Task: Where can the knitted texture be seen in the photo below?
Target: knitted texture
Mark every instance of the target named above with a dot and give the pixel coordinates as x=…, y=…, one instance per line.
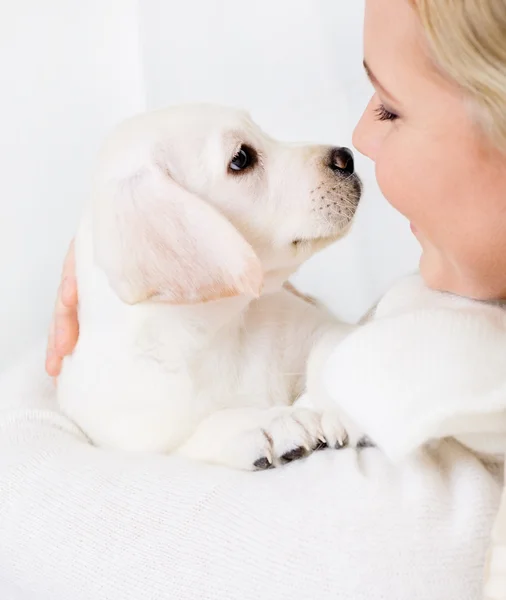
x=82, y=523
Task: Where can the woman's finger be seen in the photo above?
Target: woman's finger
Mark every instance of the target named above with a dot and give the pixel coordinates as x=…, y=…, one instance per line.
x=64, y=328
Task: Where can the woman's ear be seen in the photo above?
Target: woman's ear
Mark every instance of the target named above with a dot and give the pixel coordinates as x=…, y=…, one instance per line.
x=154, y=239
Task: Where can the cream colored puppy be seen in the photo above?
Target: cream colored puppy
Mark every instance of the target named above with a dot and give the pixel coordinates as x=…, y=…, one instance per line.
x=188, y=342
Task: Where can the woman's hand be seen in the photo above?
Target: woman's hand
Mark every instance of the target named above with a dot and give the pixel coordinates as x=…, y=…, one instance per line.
x=64, y=326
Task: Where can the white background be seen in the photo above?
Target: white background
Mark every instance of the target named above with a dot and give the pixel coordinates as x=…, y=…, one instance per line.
x=70, y=70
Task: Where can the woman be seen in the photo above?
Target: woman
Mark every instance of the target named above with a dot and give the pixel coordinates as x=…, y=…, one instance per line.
x=436, y=130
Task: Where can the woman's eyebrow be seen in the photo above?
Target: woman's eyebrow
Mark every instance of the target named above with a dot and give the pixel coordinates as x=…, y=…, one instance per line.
x=374, y=80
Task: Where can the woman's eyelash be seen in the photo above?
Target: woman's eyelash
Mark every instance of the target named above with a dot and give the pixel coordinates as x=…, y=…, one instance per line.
x=382, y=114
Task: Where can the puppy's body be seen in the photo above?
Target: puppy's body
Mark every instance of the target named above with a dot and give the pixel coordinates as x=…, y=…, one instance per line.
x=177, y=354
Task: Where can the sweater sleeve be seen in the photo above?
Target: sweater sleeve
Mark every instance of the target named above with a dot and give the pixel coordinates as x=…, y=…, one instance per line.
x=428, y=366
x=88, y=524
x=495, y=572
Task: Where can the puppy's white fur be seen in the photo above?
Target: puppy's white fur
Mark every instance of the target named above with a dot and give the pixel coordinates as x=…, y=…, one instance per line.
x=188, y=342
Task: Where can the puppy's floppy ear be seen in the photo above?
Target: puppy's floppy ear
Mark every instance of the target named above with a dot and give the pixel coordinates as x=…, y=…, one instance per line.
x=154, y=239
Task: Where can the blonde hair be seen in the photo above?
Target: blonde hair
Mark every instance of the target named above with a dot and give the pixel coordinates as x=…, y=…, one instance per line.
x=467, y=39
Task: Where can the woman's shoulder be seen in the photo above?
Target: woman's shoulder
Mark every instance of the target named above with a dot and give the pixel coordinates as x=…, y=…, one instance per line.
x=410, y=294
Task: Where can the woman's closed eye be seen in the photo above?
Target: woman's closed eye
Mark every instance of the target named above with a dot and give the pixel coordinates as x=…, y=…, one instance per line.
x=383, y=114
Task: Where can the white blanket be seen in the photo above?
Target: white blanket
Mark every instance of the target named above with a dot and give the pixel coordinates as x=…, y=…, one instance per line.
x=80, y=523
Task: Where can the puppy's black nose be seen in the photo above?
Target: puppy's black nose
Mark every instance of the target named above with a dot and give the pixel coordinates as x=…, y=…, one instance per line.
x=341, y=161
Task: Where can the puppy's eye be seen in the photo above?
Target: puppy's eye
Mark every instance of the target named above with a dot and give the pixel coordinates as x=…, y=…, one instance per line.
x=243, y=159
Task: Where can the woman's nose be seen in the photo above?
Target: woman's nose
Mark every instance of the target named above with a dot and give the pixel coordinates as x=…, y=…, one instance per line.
x=363, y=134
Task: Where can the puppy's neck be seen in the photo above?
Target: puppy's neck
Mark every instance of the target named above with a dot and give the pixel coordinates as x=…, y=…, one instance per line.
x=210, y=317
x=196, y=326
x=216, y=314
x=274, y=280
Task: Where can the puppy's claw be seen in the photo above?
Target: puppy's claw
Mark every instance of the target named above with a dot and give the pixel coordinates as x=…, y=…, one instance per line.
x=365, y=442
x=262, y=464
x=342, y=442
x=294, y=454
x=321, y=445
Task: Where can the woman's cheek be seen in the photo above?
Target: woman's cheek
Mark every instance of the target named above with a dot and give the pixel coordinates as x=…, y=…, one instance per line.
x=390, y=176
x=402, y=178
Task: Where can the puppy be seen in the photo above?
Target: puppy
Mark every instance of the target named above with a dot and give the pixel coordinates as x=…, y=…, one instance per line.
x=188, y=342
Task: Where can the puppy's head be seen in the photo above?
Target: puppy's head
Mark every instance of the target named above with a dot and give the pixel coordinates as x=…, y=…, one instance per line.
x=196, y=203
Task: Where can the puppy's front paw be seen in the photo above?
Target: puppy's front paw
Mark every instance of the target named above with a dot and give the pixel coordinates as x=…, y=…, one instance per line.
x=334, y=422
x=295, y=432
x=259, y=439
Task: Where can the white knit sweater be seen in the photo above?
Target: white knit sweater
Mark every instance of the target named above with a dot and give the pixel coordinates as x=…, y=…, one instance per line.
x=81, y=523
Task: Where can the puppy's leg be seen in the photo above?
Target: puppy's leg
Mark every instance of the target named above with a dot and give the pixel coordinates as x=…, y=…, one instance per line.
x=316, y=397
x=257, y=439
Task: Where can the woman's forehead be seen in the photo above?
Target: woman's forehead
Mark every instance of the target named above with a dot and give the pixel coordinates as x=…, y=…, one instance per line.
x=395, y=50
